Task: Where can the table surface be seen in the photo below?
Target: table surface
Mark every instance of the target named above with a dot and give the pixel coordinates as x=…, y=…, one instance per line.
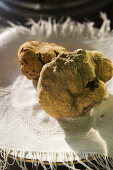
x=95, y=17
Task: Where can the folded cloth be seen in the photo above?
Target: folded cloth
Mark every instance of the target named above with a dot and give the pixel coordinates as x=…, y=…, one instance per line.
x=26, y=131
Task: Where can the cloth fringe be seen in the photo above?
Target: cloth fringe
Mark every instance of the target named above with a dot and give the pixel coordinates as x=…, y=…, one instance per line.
x=88, y=161
x=68, y=29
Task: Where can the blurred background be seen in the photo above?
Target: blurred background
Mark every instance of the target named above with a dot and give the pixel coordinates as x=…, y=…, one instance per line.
x=19, y=11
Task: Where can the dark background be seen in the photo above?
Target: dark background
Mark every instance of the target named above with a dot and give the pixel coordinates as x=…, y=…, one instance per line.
x=92, y=16
x=89, y=11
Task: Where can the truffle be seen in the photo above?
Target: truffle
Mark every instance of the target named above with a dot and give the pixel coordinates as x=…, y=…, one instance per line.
x=74, y=83
x=33, y=55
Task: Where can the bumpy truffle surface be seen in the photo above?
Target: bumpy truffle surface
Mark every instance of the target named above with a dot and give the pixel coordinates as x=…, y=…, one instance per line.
x=73, y=83
x=33, y=55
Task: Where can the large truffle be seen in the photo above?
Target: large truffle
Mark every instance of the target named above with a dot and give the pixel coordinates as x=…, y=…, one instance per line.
x=32, y=55
x=73, y=83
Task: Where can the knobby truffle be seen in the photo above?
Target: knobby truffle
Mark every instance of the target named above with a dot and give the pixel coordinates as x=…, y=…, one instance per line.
x=33, y=55
x=74, y=83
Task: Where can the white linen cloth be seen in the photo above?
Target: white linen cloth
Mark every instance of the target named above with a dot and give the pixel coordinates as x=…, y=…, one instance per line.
x=26, y=131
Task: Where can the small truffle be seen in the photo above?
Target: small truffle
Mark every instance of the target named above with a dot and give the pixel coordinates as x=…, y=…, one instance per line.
x=33, y=55
x=74, y=83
